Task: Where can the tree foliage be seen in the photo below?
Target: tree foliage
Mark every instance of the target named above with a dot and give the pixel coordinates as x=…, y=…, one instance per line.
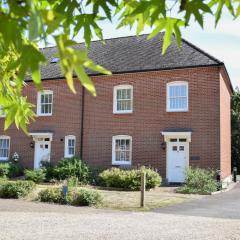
x=26, y=23
x=236, y=129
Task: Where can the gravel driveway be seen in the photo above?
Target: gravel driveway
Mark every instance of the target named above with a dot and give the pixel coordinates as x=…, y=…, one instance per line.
x=28, y=220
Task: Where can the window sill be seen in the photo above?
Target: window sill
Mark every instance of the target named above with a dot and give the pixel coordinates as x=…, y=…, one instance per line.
x=177, y=110
x=126, y=112
x=44, y=115
x=69, y=156
x=121, y=163
x=4, y=159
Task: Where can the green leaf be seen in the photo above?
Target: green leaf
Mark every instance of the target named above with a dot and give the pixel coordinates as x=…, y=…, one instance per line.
x=97, y=68
x=85, y=80
x=160, y=25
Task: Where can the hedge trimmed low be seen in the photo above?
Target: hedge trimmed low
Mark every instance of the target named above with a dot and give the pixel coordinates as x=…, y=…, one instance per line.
x=129, y=179
x=16, y=189
x=52, y=195
x=82, y=197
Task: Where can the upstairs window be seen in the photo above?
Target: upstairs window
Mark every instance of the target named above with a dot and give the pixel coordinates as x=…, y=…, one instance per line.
x=45, y=103
x=70, y=143
x=121, y=150
x=123, y=99
x=2, y=113
x=177, y=97
x=4, y=147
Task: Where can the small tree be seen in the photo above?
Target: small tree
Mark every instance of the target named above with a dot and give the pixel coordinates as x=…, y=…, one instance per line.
x=236, y=129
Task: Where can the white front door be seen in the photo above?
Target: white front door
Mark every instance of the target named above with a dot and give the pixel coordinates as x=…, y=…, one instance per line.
x=177, y=159
x=42, y=151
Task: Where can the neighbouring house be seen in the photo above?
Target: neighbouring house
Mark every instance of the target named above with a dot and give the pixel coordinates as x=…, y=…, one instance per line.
x=168, y=112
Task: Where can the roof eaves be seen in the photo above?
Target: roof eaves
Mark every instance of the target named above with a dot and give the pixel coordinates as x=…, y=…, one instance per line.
x=138, y=71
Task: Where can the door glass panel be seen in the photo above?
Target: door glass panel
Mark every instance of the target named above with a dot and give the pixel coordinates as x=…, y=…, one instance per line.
x=181, y=148
x=46, y=146
x=182, y=139
x=174, y=148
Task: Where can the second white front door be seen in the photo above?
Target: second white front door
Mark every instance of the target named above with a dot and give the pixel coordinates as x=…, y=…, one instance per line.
x=177, y=159
x=42, y=151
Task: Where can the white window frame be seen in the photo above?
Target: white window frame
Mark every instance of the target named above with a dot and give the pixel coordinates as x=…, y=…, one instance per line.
x=2, y=114
x=6, y=137
x=69, y=137
x=178, y=83
x=39, y=103
x=119, y=137
x=120, y=87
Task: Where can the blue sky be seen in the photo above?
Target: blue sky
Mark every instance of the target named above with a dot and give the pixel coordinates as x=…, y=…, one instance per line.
x=222, y=42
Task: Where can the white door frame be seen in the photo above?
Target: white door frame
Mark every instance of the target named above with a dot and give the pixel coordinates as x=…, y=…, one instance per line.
x=167, y=137
x=36, y=139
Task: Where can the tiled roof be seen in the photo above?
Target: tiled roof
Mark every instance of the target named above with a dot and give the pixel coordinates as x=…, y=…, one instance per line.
x=135, y=54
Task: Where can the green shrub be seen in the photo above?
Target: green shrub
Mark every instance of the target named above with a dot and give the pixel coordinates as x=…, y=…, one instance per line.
x=94, y=174
x=52, y=195
x=72, y=167
x=3, y=180
x=199, y=180
x=16, y=189
x=72, y=182
x=129, y=179
x=36, y=176
x=15, y=170
x=84, y=197
x=49, y=170
x=4, y=169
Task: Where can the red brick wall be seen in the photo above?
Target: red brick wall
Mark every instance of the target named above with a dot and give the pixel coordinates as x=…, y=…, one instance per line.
x=225, y=124
x=145, y=124
x=149, y=117
x=64, y=121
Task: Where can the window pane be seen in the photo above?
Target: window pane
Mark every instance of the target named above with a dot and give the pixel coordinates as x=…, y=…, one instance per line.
x=124, y=99
x=71, y=147
x=178, y=97
x=122, y=150
x=46, y=103
x=4, y=148
x=42, y=98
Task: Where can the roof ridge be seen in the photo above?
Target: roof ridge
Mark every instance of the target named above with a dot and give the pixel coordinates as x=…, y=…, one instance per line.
x=202, y=51
x=107, y=39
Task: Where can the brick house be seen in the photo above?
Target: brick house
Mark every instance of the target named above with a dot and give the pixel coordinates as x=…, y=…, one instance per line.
x=169, y=111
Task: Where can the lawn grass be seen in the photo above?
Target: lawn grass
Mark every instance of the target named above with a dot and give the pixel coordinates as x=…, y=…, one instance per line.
x=130, y=200
x=156, y=198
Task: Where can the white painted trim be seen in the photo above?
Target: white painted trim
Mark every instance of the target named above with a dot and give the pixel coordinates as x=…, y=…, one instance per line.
x=176, y=83
x=66, y=155
x=41, y=135
x=168, y=135
x=124, y=86
x=6, y=137
x=186, y=144
x=114, y=138
x=36, y=136
x=39, y=103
